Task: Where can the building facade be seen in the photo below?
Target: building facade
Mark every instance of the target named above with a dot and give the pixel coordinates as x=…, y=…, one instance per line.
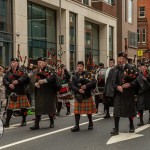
x=143, y=31
x=127, y=27
x=87, y=30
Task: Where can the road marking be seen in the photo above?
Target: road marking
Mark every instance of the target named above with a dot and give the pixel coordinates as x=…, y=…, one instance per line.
x=44, y=135
x=127, y=136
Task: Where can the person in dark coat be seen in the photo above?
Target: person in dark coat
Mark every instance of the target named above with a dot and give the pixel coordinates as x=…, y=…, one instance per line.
x=124, y=103
x=15, y=81
x=108, y=101
x=45, y=93
x=142, y=83
x=82, y=85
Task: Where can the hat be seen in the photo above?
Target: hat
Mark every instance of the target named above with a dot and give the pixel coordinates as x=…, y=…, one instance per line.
x=80, y=63
x=14, y=59
x=41, y=59
x=121, y=54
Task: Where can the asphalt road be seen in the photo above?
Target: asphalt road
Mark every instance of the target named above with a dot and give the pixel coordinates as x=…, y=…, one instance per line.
x=61, y=138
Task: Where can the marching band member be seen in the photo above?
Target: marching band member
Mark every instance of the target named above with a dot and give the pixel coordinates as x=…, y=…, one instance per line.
x=82, y=85
x=124, y=103
x=15, y=81
x=45, y=93
x=65, y=79
x=142, y=82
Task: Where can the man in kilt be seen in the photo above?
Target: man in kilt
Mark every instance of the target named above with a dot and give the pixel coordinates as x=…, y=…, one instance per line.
x=124, y=103
x=82, y=85
x=15, y=81
x=45, y=93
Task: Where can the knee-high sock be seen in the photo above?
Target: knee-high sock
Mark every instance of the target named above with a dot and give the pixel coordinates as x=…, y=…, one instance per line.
x=131, y=122
x=141, y=115
x=51, y=119
x=77, y=119
x=116, y=119
x=9, y=114
x=90, y=117
x=23, y=114
x=68, y=106
x=59, y=107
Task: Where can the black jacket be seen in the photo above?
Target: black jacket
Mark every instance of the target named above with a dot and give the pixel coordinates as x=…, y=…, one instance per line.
x=20, y=88
x=83, y=79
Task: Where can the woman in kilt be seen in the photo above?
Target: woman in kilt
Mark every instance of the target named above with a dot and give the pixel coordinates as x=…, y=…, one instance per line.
x=63, y=95
x=82, y=85
x=15, y=81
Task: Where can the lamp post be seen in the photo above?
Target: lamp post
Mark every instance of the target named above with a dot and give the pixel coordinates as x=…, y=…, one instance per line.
x=60, y=39
x=126, y=48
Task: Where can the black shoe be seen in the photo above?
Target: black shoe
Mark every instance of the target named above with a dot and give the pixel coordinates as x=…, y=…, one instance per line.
x=75, y=129
x=141, y=123
x=107, y=116
x=51, y=125
x=68, y=113
x=35, y=127
x=114, y=132
x=90, y=127
x=132, y=130
x=23, y=123
x=6, y=125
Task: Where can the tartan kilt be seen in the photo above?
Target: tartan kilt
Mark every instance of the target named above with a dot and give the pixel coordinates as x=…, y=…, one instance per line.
x=87, y=106
x=22, y=102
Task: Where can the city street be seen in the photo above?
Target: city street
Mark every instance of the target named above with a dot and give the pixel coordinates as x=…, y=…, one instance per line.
x=61, y=138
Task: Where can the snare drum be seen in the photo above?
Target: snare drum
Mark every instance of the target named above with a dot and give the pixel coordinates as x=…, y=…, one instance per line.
x=64, y=91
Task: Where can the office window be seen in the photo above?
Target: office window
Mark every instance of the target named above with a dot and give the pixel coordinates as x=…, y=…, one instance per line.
x=138, y=35
x=142, y=12
x=130, y=11
x=91, y=43
x=143, y=35
x=72, y=24
x=86, y=2
x=132, y=39
x=110, y=1
x=41, y=31
x=110, y=42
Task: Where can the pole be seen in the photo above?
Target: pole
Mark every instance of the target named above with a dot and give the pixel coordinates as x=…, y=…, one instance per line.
x=60, y=48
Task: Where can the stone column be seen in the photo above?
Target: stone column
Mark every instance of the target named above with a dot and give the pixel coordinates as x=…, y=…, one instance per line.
x=20, y=27
x=80, y=38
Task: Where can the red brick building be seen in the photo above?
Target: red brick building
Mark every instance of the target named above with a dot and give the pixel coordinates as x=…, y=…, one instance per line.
x=143, y=30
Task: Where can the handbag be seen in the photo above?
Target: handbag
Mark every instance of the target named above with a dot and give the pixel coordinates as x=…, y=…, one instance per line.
x=13, y=97
x=79, y=97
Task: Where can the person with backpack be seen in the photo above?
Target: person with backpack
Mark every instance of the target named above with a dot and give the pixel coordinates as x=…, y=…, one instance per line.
x=46, y=87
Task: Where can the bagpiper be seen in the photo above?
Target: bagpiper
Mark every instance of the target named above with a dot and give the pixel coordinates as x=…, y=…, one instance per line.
x=15, y=81
x=82, y=85
x=45, y=93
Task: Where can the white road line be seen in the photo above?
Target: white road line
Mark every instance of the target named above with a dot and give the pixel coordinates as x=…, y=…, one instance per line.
x=43, y=135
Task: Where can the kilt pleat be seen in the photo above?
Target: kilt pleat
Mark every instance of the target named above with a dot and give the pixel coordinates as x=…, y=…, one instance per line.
x=22, y=102
x=87, y=106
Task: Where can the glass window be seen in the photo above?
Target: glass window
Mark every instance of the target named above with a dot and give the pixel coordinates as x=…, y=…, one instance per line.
x=138, y=35
x=130, y=11
x=132, y=39
x=72, y=24
x=6, y=30
x=143, y=35
x=110, y=42
x=91, y=43
x=142, y=12
x=41, y=30
x=86, y=2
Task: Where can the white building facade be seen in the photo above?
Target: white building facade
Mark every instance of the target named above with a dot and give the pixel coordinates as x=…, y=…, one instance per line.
x=36, y=31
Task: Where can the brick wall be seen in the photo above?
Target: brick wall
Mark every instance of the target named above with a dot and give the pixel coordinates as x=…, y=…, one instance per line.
x=104, y=7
